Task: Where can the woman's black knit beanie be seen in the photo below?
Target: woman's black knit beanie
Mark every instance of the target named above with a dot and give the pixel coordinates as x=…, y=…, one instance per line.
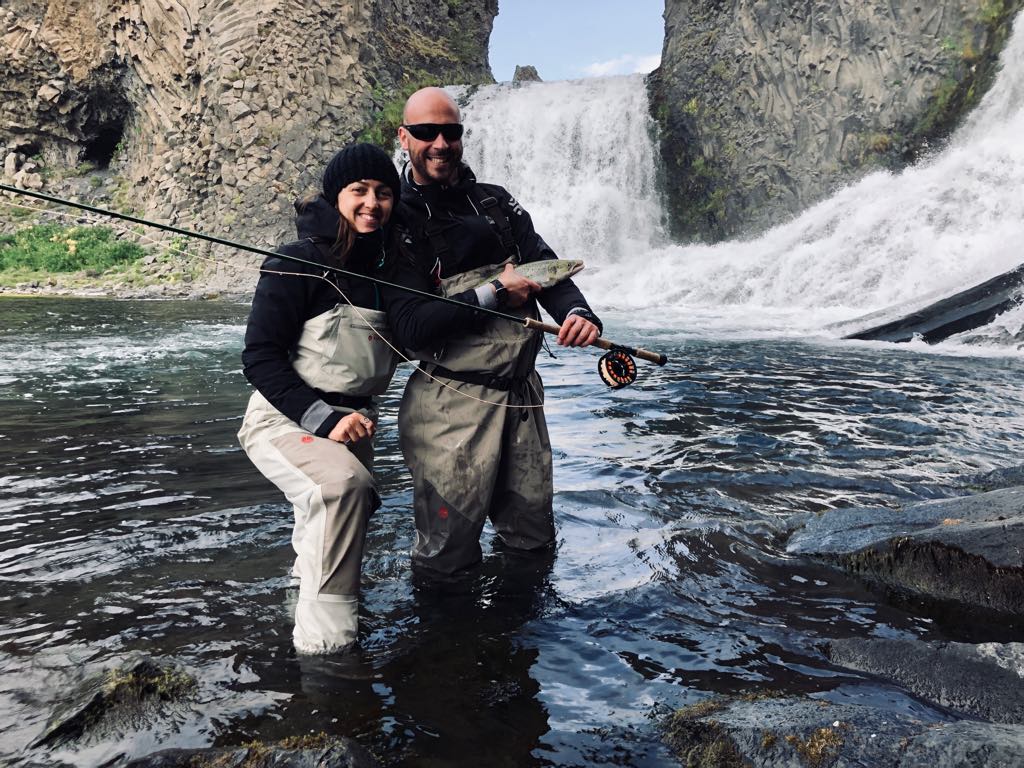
x=356, y=162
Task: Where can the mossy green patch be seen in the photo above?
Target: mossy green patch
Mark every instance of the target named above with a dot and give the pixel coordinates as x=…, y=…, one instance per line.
x=260, y=754
x=54, y=248
x=145, y=682
x=699, y=742
x=819, y=749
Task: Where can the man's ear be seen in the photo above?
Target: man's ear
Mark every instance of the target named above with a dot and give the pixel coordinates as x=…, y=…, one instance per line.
x=403, y=138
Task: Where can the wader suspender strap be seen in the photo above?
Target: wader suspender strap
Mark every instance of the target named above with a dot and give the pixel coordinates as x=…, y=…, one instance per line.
x=438, y=242
x=495, y=216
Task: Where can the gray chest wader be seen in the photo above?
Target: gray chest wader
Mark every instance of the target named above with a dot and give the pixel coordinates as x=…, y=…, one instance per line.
x=329, y=484
x=470, y=460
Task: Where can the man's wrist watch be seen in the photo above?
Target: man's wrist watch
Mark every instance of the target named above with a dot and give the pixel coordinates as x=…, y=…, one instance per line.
x=500, y=292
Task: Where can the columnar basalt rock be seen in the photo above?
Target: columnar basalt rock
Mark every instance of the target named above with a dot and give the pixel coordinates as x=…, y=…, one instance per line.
x=215, y=113
x=767, y=107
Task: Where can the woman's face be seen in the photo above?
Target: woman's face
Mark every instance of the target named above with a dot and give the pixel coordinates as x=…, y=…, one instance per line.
x=366, y=204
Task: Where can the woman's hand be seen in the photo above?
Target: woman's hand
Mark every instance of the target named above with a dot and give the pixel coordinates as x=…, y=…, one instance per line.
x=352, y=427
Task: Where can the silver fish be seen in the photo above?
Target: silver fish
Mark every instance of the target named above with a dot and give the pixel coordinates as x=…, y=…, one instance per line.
x=547, y=272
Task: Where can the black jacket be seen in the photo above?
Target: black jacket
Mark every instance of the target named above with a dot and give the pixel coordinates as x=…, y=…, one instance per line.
x=472, y=241
x=284, y=302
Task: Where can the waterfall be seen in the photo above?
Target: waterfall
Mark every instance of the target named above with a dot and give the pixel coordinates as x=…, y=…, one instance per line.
x=581, y=157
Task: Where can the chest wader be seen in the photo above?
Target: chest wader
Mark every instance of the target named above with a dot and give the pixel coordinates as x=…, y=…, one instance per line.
x=329, y=484
x=471, y=461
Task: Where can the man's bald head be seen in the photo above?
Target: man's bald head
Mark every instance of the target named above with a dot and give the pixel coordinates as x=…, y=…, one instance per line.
x=431, y=132
x=429, y=103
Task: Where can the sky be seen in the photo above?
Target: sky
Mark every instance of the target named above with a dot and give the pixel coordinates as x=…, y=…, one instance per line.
x=570, y=39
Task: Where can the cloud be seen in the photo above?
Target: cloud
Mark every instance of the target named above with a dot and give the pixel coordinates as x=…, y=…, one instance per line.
x=623, y=65
x=647, y=64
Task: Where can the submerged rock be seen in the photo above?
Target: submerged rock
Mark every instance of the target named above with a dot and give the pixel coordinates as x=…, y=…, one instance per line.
x=813, y=733
x=116, y=700
x=981, y=681
x=969, y=549
x=319, y=751
x=963, y=311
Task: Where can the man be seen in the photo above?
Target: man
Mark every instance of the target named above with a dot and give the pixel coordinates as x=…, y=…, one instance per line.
x=471, y=423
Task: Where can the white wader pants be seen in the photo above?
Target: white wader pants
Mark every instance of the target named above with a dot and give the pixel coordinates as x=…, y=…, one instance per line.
x=333, y=495
x=328, y=484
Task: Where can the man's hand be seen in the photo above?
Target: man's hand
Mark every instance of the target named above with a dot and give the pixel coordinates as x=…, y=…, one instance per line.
x=517, y=287
x=351, y=428
x=577, y=331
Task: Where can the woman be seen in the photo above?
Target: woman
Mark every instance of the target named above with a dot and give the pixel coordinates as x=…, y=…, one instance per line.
x=315, y=352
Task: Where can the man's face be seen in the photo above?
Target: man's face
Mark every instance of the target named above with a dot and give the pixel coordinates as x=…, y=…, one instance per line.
x=434, y=157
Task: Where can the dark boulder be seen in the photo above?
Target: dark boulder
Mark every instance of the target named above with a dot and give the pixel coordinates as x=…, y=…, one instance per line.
x=814, y=733
x=969, y=549
x=964, y=311
x=982, y=681
x=127, y=697
x=1005, y=477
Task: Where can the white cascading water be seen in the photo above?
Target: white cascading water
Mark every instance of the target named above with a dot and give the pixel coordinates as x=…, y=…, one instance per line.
x=580, y=156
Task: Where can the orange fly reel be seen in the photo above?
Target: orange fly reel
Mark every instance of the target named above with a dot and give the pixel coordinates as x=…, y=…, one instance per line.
x=617, y=369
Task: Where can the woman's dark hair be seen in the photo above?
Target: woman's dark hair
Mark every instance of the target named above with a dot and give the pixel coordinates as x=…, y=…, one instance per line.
x=343, y=241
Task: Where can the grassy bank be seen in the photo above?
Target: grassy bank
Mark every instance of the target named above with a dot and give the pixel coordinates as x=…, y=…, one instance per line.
x=80, y=258
x=49, y=248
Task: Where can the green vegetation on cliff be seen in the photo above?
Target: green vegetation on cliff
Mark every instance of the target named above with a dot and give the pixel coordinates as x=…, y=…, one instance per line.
x=973, y=67
x=53, y=248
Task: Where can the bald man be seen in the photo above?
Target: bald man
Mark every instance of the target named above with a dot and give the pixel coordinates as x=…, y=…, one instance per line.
x=472, y=432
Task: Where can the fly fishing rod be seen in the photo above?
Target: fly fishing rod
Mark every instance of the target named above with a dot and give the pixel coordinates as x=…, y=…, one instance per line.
x=616, y=368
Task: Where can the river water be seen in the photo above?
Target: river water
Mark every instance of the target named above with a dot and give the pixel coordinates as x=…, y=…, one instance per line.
x=133, y=524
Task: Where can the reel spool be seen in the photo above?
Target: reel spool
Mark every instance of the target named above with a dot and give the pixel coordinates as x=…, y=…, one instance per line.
x=617, y=369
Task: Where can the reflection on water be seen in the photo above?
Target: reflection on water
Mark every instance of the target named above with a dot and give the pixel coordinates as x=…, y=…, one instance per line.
x=132, y=523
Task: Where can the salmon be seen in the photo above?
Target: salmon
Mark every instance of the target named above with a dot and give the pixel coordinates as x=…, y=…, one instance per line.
x=547, y=272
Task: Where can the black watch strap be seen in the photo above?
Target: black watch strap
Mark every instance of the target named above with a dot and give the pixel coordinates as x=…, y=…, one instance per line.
x=500, y=292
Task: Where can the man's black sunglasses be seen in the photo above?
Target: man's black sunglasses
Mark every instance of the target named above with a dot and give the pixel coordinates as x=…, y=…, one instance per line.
x=429, y=131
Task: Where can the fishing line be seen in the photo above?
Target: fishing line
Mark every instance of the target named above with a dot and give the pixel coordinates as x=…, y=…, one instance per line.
x=180, y=250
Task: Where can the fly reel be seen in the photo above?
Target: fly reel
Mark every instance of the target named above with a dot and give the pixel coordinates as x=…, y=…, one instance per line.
x=617, y=369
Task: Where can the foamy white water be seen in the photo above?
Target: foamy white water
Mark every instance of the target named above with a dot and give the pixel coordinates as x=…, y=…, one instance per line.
x=581, y=158
x=580, y=155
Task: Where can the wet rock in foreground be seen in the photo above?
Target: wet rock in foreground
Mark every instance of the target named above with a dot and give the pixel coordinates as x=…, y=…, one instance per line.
x=810, y=733
x=982, y=681
x=127, y=697
x=968, y=549
x=300, y=752
x=1005, y=477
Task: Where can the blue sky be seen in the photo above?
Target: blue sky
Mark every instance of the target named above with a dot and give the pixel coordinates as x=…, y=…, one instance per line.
x=568, y=39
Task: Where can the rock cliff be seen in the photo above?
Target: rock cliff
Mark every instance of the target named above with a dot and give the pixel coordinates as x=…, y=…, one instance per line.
x=212, y=114
x=766, y=107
